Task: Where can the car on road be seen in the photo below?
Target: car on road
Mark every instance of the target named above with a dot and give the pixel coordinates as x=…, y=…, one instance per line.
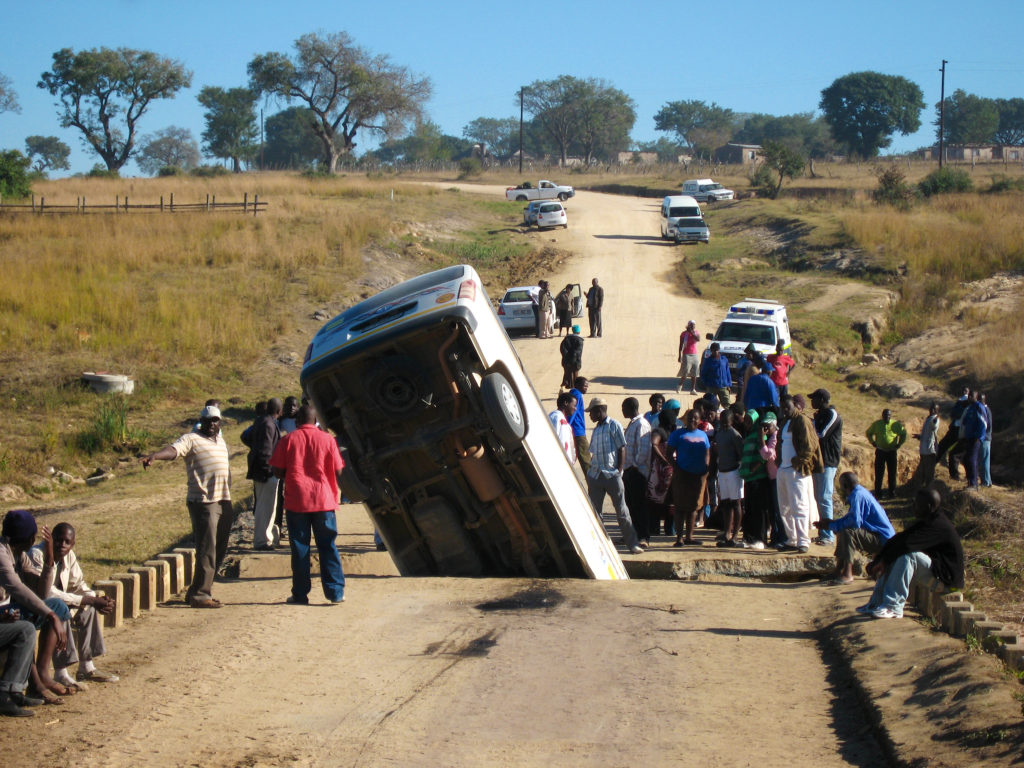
x=530, y=212
x=515, y=310
x=706, y=191
x=445, y=440
x=551, y=215
x=675, y=208
x=545, y=190
x=761, y=322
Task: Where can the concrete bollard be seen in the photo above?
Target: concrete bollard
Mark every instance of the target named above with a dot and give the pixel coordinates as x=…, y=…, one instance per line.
x=189, y=553
x=115, y=591
x=967, y=621
x=956, y=609
x=177, y=563
x=1013, y=655
x=947, y=615
x=147, y=585
x=995, y=640
x=163, y=579
x=131, y=588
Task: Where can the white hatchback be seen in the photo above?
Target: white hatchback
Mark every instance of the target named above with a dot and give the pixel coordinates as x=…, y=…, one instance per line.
x=551, y=215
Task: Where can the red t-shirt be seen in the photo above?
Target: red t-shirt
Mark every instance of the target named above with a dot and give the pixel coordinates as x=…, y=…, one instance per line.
x=311, y=461
x=689, y=342
x=782, y=365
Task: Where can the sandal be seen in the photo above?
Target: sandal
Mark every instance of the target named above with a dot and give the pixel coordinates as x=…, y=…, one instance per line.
x=48, y=696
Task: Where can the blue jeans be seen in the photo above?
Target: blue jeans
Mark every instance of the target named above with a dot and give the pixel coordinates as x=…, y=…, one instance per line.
x=324, y=528
x=824, y=488
x=984, y=462
x=893, y=588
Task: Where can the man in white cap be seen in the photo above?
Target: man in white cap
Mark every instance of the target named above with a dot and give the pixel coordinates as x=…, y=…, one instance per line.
x=208, y=499
x=604, y=475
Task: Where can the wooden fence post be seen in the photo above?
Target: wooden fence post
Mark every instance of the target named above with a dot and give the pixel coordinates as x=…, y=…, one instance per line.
x=214, y=202
x=161, y=203
x=117, y=204
x=172, y=202
x=207, y=203
x=33, y=203
x=42, y=203
x=255, y=204
x=245, y=202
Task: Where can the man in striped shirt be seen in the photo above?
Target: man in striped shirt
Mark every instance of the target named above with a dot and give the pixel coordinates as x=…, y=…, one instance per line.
x=208, y=499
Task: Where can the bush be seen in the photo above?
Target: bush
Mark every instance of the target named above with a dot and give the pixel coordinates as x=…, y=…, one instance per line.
x=209, y=171
x=1002, y=183
x=470, y=167
x=945, y=180
x=763, y=180
x=170, y=170
x=14, y=180
x=100, y=171
x=893, y=189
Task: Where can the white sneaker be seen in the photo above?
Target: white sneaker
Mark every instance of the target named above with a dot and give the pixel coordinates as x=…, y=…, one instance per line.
x=756, y=545
x=886, y=613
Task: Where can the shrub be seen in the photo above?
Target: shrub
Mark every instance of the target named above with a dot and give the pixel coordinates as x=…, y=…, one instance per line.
x=209, y=171
x=763, y=180
x=470, y=167
x=170, y=170
x=100, y=171
x=1001, y=183
x=14, y=180
x=110, y=430
x=893, y=189
x=945, y=180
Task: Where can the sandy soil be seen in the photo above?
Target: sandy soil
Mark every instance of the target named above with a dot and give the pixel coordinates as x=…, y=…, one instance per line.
x=440, y=672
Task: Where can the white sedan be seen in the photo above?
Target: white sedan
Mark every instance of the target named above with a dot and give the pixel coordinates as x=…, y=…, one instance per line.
x=551, y=215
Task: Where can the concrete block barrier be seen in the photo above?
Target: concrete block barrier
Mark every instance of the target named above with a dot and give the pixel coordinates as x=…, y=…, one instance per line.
x=115, y=591
x=993, y=641
x=955, y=624
x=177, y=563
x=189, y=554
x=163, y=579
x=147, y=585
x=131, y=603
x=1013, y=655
x=967, y=621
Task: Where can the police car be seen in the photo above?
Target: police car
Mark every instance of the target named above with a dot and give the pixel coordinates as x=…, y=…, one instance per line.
x=760, y=322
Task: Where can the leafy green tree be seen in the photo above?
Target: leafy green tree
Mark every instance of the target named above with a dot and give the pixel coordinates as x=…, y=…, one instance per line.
x=8, y=98
x=969, y=119
x=231, y=131
x=552, y=107
x=426, y=144
x=698, y=125
x=781, y=162
x=668, y=150
x=864, y=109
x=49, y=153
x=802, y=132
x=104, y=93
x=606, y=116
x=170, y=147
x=14, y=181
x=290, y=141
x=1011, y=122
x=500, y=135
x=345, y=88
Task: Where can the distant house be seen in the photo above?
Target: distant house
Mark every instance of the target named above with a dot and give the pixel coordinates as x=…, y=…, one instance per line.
x=738, y=154
x=636, y=158
x=976, y=153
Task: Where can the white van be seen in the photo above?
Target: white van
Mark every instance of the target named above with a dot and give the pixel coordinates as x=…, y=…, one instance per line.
x=445, y=439
x=706, y=190
x=682, y=220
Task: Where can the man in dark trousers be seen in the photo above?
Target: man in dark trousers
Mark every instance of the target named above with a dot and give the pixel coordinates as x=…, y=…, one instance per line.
x=930, y=547
x=572, y=357
x=309, y=462
x=829, y=426
x=262, y=439
x=595, y=301
x=950, y=440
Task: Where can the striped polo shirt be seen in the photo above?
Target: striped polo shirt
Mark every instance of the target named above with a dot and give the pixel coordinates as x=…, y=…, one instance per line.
x=206, y=464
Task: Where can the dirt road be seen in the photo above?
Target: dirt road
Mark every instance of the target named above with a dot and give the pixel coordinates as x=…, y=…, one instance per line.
x=445, y=672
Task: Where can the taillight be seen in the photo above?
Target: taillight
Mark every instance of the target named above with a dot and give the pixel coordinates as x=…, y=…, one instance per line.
x=501, y=309
x=467, y=290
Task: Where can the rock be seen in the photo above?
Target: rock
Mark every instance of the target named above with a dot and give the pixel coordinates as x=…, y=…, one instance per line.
x=321, y=315
x=904, y=389
x=11, y=493
x=99, y=476
x=871, y=329
x=64, y=477
x=869, y=358
x=865, y=386
x=290, y=358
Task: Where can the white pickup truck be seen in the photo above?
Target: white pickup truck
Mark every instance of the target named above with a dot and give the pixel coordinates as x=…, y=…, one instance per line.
x=545, y=190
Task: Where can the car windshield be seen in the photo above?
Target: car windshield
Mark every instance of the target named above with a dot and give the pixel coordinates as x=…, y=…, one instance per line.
x=758, y=334
x=710, y=187
x=518, y=295
x=681, y=211
x=550, y=208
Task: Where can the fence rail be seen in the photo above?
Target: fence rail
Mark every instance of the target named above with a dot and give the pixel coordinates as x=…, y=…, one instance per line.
x=122, y=205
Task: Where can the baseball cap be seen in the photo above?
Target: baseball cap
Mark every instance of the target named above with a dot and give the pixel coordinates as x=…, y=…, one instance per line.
x=769, y=418
x=673, y=403
x=597, y=402
x=711, y=398
x=19, y=524
x=821, y=394
x=754, y=416
x=210, y=412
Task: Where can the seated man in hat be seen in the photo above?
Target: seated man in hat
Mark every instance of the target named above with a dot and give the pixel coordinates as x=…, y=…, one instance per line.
x=864, y=528
x=85, y=643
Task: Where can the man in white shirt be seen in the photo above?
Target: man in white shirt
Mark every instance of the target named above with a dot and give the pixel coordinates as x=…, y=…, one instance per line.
x=85, y=643
x=560, y=421
x=637, y=467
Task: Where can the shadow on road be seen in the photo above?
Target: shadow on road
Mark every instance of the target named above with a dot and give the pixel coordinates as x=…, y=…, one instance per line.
x=663, y=384
x=646, y=239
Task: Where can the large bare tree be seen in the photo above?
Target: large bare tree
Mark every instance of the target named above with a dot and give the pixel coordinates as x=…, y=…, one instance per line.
x=347, y=90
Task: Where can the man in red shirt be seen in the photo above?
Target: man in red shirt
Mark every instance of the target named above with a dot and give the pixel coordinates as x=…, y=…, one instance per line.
x=782, y=364
x=309, y=462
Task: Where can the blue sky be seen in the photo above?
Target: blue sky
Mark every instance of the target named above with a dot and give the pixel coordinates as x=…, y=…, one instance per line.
x=748, y=56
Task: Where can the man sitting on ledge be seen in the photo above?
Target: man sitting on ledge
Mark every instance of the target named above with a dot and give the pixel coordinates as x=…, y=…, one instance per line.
x=864, y=528
x=929, y=547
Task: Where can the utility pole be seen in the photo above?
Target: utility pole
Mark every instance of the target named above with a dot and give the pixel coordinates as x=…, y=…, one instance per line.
x=942, y=114
x=521, y=90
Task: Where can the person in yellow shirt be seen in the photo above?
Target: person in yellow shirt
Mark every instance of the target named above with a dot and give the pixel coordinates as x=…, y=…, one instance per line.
x=886, y=436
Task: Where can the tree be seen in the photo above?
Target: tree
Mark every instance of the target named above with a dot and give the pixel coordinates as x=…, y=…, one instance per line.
x=290, y=141
x=969, y=119
x=14, y=181
x=606, y=116
x=802, y=132
x=49, y=152
x=551, y=104
x=782, y=161
x=696, y=124
x=98, y=87
x=1011, y=122
x=345, y=88
x=668, y=150
x=231, y=131
x=864, y=109
x=499, y=136
x=426, y=144
x=170, y=147
x=8, y=98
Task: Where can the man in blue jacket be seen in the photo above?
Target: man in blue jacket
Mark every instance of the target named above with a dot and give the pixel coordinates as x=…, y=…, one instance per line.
x=864, y=528
x=715, y=376
x=760, y=394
